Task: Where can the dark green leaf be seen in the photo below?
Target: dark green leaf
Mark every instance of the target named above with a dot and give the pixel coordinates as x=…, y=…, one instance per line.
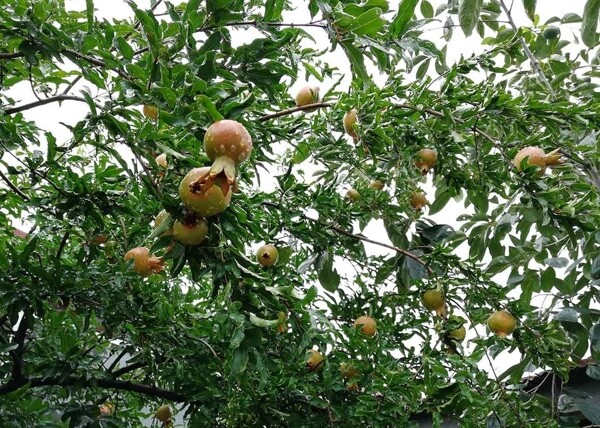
x=591, y=13
x=468, y=15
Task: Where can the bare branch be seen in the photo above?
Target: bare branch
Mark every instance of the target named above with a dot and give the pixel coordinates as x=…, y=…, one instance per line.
x=84, y=382
x=57, y=98
x=534, y=62
x=360, y=237
x=11, y=55
x=293, y=110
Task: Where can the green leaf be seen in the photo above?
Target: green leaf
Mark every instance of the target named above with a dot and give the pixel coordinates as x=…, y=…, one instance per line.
x=124, y=47
x=589, y=35
x=210, y=107
x=273, y=9
x=89, y=9
x=529, y=6
x=468, y=15
x=427, y=9
x=406, y=10
x=328, y=276
x=356, y=59
x=368, y=24
x=239, y=361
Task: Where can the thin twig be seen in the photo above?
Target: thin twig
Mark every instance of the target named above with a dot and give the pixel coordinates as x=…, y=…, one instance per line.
x=13, y=187
x=293, y=110
x=359, y=237
x=534, y=62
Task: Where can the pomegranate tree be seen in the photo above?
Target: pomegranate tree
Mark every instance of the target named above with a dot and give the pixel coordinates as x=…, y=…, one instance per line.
x=201, y=196
x=227, y=143
x=145, y=263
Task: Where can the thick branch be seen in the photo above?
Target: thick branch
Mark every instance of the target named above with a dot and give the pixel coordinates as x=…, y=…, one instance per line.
x=11, y=55
x=82, y=382
x=17, y=353
x=534, y=62
x=57, y=98
x=293, y=110
x=359, y=237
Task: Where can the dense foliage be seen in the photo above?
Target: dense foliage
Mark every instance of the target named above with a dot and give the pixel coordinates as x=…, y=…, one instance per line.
x=87, y=341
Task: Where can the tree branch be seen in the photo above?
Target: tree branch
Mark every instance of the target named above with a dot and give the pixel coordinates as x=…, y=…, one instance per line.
x=293, y=110
x=57, y=98
x=11, y=55
x=17, y=354
x=534, y=62
x=13, y=187
x=359, y=237
x=83, y=382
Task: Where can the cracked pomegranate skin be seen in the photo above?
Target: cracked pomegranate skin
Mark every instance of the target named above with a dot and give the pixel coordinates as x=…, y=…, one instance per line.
x=208, y=203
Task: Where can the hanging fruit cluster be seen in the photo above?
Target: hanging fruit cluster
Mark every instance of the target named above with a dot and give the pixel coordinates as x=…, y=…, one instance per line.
x=204, y=192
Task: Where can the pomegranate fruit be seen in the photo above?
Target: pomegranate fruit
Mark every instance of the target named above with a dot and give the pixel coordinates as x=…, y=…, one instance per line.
x=101, y=238
x=458, y=334
x=418, y=201
x=425, y=160
x=433, y=300
x=150, y=112
x=267, y=255
x=314, y=360
x=200, y=199
x=352, y=195
x=145, y=264
x=227, y=143
x=282, y=326
x=367, y=325
x=535, y=157
x=164, y=413
x=553, y=158
x=161, y=161
x=348, y=370
x=376, y=184
x=106, y=409
x=502, y=323
x=192, y=232
x=353, y=387
x=308, y=95
x=350, y=119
